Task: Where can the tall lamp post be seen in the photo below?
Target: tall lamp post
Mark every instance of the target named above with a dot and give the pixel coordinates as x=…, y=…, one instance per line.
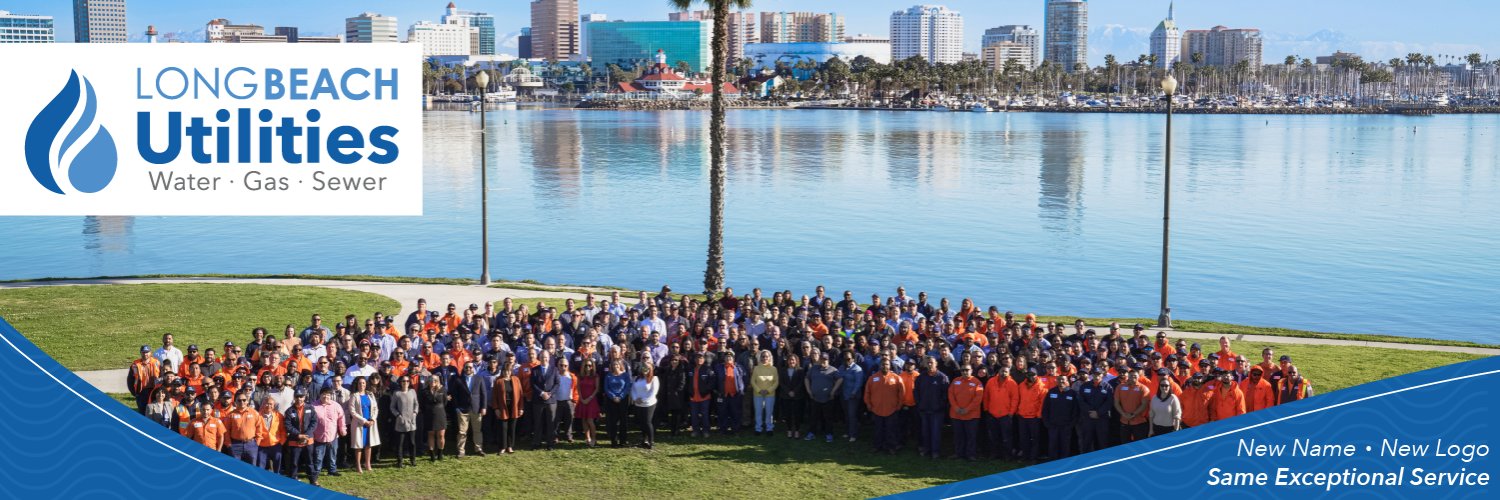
x=1169, y=86
x=483, y=79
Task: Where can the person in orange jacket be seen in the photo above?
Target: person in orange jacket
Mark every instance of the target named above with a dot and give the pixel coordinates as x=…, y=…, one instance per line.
x=1132, y=402
x=965, y=400
x=244, y=429
x=1228, y=400
x=884, y=394
x=1259, y=394
x=205, y=429
x=1032, y=395
x=140, y=379
x=1194, y=402
x=268, y=448
x=1226, y=357
x=908, y=414
x=1002, y=396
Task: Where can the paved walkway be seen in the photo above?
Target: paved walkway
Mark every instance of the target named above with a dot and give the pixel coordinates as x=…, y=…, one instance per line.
x=407, y=294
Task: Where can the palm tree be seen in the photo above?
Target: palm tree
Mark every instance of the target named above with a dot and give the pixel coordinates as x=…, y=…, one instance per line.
x=713, y=276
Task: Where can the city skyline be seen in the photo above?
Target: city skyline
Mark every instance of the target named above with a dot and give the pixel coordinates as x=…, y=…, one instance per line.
x=1305, y=29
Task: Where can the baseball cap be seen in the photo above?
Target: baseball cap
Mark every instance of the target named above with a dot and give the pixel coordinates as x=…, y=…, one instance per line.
x=473, y=307
x=193, y=347
x=301, y=393
x=1196, y=346
x=147, y=348
x=1137, y=327
x=1286, y=358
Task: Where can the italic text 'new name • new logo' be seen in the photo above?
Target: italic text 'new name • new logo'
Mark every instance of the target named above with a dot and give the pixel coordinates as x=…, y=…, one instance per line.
x=85, y=158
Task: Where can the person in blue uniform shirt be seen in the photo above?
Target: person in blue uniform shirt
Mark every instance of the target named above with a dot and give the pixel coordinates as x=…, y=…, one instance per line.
x=1095, y=408
x=1060, y=415
x=931, y=396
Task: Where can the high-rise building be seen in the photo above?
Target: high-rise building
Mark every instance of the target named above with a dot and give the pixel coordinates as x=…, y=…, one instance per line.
x=99, y=21
x=289, y=32
x=24, y=28
x=369, y=27
x=792, y=27
x=1166, y=41
x=1067, y=33
x=484, y=44
x=996, y=55
x=930, y=31
x=1026, y=44
x=744, y=28
x=1224, y=47
x=583, y=31
x=628, y=43
x=442, y=39
x=523, y=43
x=554, y=29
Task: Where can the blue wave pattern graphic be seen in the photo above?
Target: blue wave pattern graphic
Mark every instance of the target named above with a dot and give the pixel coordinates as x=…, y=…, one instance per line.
x=1456, y=403
x=94, y=165
x=65, y=439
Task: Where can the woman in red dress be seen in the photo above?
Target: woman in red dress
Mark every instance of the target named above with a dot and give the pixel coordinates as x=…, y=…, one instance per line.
x=588, y=398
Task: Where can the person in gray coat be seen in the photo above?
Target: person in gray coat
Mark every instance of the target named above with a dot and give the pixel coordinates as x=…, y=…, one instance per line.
x=404, y=406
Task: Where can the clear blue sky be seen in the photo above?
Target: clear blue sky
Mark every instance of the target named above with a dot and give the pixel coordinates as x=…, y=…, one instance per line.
x=1378, y=29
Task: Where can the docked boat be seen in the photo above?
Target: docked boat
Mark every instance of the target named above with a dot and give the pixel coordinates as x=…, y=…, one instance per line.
x=979, y=108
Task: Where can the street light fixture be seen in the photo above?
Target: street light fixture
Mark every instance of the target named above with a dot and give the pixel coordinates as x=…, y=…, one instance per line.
x=483, y=79
x=1169, y=86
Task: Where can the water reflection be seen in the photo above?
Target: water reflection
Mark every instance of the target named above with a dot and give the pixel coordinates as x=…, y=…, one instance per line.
x=556, y=160
x=1060, y=206
x=107, y=234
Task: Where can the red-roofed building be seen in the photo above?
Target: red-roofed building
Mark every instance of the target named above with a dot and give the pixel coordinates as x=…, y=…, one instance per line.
x=661, y=78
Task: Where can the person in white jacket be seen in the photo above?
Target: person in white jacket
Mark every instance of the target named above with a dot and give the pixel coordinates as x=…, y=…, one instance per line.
x=643, y=398
x=364, y=436
x=1166, y=409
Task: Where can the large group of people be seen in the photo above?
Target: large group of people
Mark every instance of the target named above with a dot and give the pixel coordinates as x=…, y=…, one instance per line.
x=962, y=382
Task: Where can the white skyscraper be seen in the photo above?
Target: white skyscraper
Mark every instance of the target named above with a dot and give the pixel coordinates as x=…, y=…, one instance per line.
x=1067, y=33
x=1166, y=42
x=25, y=28
x=442, y=39
x=930, y=31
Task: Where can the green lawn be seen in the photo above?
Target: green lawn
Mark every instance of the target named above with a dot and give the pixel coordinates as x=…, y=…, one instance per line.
x=93, y=327
x=103, y=327
x=718, y=467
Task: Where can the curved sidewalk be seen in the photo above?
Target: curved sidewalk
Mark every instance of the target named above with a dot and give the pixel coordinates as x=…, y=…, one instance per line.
x=406, y=294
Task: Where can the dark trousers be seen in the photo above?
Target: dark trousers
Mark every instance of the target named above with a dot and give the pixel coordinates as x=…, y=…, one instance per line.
x=544, y=415
x=565, y=411
x=700, y=416
x=908, y=423
x=491, y=426
x=1093, y=434
x=615, y=415
x=247, y=451
x=851, y=416
x=1130, y=433
x=644, y=418
x=731, y=412
x=792, y=412
x=269, y=458
x=406, y=446
x=1060, y=441
x=932, y=432
x=298, y=459
x=887, y=432
x=1002, y=431
x=1157, y=430
x=674, y=418
x=1031, y=437
x=966, y=438
x=822, y=417
x=507, y=434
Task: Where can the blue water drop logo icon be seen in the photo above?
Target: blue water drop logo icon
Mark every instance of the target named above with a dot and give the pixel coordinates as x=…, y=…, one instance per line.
x=91, y=166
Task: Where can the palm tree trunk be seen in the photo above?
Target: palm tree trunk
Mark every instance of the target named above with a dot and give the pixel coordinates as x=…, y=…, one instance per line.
x=713, y=276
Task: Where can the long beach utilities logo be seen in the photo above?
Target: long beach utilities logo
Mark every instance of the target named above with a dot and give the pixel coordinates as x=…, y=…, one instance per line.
x=209, y=129
x=85, y=159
